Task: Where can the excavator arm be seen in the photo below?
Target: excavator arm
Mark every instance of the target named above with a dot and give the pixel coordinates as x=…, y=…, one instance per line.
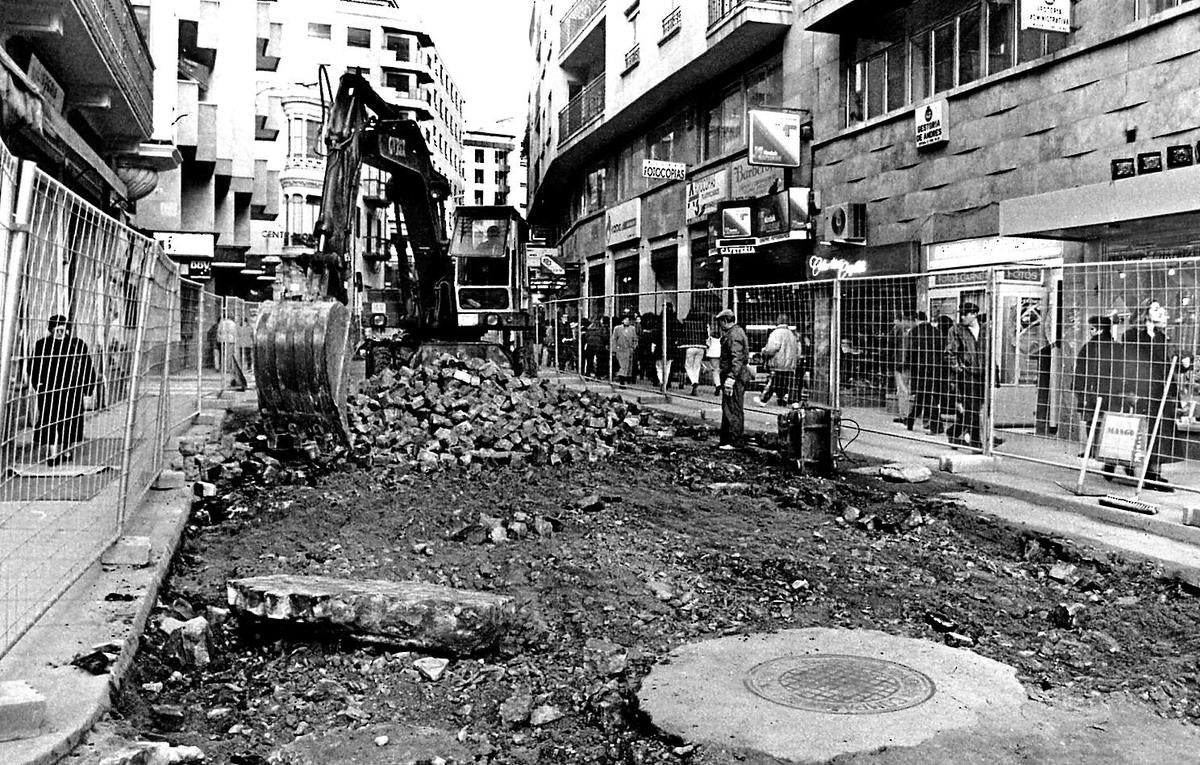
x=301, y=347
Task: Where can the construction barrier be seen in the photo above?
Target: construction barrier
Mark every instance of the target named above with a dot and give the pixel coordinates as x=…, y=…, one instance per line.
x=1022, y=360
x=99, y=360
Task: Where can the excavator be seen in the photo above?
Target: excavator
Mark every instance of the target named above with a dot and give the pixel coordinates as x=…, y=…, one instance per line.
x=449, y=294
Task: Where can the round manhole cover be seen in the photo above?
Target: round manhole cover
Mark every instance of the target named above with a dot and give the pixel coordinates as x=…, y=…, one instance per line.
x=839, y=684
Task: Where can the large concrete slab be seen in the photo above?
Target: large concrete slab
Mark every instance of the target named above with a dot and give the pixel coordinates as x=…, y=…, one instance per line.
x=810, y=695
x=413, y=615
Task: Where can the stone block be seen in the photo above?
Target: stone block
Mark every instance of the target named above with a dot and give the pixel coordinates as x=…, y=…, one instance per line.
x=128, y=551
x=905, y=473
x=966, y=463
x=22, y=710
x=1191, y=516
x=170, y=479
x=412, y=615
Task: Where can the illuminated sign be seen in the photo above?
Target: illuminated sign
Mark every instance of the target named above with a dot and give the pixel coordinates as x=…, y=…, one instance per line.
x=839, y=266
x=736, y=221
x=932, y=126
x=774, y=138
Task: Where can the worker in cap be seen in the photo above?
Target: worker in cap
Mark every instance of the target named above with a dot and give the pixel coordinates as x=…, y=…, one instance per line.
x=734, y=375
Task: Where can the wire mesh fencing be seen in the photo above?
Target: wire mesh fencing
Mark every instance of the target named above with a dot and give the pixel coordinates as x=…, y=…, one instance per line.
x=1047, y=363
x=90, y=324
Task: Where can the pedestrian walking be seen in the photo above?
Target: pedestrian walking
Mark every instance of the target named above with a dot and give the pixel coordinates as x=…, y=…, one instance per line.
x=594, y=336
x=65, y=379
x=922, y=363
x=782, y=352
x=624, y=344
x=227, y=353
x=649, y=350
x=1092, y=381
x=966, y=356
x=735, y=353
x=674, y=351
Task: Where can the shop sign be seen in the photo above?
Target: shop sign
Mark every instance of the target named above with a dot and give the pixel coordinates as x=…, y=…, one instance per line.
x=932, y=126
x=704, y=192
x=623, y=222
x=734, y=249
x=772, y=214
x=980, y=251
x=748, y=180
x=196, y=268
x=774, y=138
x=960, y=277
x=1022, y=275
x=52, y=92
x=1046, y=15
x=545, y=258
x=838, y=266
x=186, y=245
x=664, y=171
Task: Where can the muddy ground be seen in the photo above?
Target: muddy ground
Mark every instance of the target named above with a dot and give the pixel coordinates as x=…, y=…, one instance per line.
x=664, y=559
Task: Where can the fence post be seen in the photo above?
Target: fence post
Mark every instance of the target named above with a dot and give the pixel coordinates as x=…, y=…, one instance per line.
x=14, y=256
x=134, y=390
x=164, y=395
x=554, y=332
x=666, y=372
x=990, y=358
x=579, y=342
x=199, y=337
x=835, y=345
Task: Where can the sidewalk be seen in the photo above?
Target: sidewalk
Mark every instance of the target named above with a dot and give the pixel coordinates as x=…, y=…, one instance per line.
x=1019, y=492
x=106, y=604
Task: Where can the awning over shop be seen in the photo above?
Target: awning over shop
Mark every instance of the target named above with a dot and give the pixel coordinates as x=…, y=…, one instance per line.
x=1150, y=205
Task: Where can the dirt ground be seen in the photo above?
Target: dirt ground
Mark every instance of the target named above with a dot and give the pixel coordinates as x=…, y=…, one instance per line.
x=665, y=558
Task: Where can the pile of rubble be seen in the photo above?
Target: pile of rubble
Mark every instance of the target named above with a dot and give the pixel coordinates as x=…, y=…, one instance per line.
x=461, y=412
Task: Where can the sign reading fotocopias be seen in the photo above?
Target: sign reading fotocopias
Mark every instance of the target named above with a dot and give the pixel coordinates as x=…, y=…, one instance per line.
x=933, y=128
x=660, y=170
x=1046, y=15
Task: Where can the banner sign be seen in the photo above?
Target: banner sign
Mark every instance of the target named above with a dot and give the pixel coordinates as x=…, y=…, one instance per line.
x=774, y=138
x=660, y=170
x=1046, y=15
x=931, y=124
x=704, y=192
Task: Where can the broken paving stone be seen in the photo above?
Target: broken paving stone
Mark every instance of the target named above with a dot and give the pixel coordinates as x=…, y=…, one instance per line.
x=431, y=668
x=99, y=659
x=412, y=615
x=153, y=753
x=660, y=590
x=727, y=487
x=544, y=715
x=608, y=658
x=517, y=707
x=940, y=622
x=591, y=504
x=1067, y=616
x=168, y=717
x=959, y=640
x=189, y=643
x=405, y=745
x=905, y=473
x=1067, y=573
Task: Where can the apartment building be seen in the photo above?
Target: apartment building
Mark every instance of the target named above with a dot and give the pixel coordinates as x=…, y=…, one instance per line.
x=495, y=172
x=239, y=86
x=937, y=136
x=80, y=103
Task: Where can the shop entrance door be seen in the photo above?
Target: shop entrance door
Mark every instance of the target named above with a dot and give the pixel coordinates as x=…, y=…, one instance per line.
x=1020, y=340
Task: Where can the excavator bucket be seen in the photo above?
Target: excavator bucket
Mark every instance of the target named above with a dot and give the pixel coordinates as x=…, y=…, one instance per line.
x=300, y=368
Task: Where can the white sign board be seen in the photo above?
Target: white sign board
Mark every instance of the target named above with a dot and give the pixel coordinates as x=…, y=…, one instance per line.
x=1046, y=15
x=660, y=170
x=774, y=138
x=623, y=222
x=52, y=92
x=1121, y=437
x=185, y=245
x=931, y=123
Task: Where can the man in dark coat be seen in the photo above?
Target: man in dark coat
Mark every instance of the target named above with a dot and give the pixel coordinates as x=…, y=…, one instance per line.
x=735, y=354
x=966, y=357
x=1094, y=370
x=65, y=379
x=1145, y=362
x=925, y=366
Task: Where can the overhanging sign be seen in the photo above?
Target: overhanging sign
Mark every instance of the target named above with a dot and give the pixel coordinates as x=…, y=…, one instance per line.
x=774, y=138
x=839, y=266
x=660, y=170
x=1046, y=15
x=931, y=124
x=186, y=245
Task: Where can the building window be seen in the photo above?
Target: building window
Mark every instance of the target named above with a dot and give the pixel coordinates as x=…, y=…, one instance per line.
x=401, y=46
x=501, y=198
x=764, y=87
x=1150, y=7
x=394, y=79
x=665, y=141
x=358, y=38
x=478, y=197
x=320, y=31
x=499, y=177
x=479, y=156
x=479, y=176
x=724, y=129
x=304, y=138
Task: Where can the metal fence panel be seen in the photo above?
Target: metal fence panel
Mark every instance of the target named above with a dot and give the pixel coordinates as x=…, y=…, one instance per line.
x=93, y=325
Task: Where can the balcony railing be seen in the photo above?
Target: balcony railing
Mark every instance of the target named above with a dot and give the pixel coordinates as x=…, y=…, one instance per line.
x=576, y=20
x=121, y=43
x=719, y=10
x=374, y=248
x=672, y=22
x=585, y=108
x=633, y=57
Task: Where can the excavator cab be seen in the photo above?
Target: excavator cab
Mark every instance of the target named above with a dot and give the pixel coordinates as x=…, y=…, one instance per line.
x=491, y=281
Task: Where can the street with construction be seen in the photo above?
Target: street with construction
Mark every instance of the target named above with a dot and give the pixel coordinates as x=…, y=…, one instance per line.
x=533, y=570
